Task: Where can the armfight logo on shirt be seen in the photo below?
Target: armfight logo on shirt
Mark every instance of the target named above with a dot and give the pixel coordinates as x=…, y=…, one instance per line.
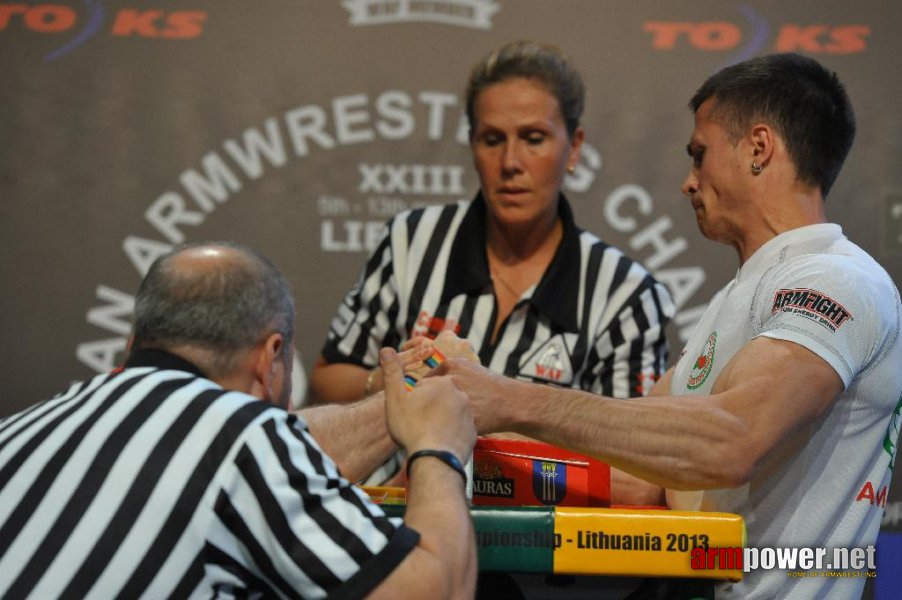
x=812, y=304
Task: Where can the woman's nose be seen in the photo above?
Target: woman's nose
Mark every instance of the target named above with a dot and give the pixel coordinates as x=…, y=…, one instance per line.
x=510, y=159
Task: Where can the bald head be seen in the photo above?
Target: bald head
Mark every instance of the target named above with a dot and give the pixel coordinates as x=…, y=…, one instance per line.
x=220, y=298
x=199, y=261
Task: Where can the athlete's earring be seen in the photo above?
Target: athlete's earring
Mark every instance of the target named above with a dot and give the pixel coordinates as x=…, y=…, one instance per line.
x=756, y=168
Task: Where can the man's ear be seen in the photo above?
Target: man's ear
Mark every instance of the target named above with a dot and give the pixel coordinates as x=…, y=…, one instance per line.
x=269, y=353
x=763, y=139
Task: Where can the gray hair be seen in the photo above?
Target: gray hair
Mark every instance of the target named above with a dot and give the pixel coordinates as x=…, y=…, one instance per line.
x=223, y=310
x=530, y=60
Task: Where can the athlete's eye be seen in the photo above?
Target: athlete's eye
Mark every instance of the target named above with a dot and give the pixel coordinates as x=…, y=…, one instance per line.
x=697, y=156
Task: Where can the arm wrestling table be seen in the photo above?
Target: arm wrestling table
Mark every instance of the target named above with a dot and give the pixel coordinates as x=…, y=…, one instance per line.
x=600, y=541
x=542, y=512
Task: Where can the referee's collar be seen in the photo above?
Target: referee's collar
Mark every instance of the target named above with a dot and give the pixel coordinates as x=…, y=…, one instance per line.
x=557, y=293
x=160, y=359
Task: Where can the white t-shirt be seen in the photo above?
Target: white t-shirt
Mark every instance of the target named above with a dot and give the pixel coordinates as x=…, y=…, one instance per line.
x=825, y=485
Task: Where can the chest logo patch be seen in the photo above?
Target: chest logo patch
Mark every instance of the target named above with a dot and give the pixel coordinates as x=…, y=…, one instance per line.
x=550, y=363
x=703, y=364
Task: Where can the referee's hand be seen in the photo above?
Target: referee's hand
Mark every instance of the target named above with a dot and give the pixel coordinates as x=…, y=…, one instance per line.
x=434, y=415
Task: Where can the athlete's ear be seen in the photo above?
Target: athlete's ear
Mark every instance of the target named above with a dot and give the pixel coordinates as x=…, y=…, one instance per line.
x=762, y=139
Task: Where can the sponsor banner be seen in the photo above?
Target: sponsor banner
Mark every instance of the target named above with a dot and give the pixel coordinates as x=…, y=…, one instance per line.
x=476, y=14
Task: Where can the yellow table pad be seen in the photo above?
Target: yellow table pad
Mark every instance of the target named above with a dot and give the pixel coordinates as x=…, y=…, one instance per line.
x=642, y=542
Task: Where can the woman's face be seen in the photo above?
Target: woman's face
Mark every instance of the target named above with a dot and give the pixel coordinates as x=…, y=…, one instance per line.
x=521, y=150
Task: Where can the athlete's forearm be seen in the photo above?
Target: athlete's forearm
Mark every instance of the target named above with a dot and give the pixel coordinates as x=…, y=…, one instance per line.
x=682, y=443
x=355, y=435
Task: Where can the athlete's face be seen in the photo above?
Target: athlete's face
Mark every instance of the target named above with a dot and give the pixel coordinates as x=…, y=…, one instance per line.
x=521, y=150
x=715, y=181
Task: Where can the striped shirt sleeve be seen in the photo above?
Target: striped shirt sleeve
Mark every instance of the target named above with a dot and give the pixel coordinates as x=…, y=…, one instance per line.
x=288, y=520
x=631, y=352
x=363, y=322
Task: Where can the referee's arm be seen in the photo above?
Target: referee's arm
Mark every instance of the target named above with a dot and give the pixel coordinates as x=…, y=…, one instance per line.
x=337, y=383
x=434, y=416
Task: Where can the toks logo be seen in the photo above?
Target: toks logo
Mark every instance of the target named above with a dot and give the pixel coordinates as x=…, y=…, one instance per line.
x=790, y=37
x=125, y=22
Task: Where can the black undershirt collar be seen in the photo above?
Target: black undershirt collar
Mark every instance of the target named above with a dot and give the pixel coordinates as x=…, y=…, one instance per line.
x=160, y=359
x=556, y=295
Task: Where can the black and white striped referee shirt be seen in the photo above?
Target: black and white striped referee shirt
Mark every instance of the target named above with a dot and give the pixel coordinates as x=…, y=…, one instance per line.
x=156, y=482
x=595, y=321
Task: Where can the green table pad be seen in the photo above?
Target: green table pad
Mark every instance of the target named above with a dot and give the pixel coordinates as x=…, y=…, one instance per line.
x=509, y=539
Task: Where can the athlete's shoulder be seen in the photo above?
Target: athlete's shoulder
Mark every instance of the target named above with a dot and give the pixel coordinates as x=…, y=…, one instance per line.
x=844, y=266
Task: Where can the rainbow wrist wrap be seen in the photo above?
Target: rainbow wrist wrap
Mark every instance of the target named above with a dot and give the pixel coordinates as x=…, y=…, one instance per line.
x=434, y=360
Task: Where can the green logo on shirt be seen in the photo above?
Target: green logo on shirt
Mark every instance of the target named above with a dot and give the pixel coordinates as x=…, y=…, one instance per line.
x=703, y=364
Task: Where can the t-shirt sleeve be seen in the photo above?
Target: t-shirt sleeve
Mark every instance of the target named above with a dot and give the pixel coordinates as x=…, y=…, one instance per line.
x=297, y=526
x=832, y=306
x=362, y=323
